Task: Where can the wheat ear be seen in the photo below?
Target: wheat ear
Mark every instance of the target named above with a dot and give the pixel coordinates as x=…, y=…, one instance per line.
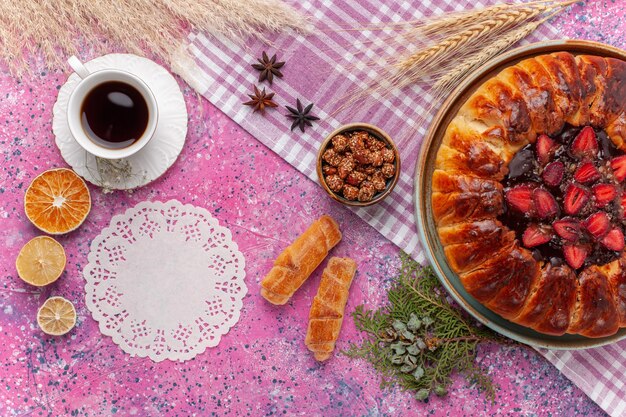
x=502, y=24
x=447, y=24
x=431, y=61
x=447, y=81
x=461, y=19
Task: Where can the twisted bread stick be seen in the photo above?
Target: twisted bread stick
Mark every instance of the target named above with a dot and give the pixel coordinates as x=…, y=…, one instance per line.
x=294, y=265
x=326, y=314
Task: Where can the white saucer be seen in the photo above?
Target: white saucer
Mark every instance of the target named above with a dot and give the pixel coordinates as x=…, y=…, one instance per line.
x=156, y=157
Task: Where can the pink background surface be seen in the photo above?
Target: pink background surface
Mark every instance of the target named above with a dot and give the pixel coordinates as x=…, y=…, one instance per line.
x=262, y=366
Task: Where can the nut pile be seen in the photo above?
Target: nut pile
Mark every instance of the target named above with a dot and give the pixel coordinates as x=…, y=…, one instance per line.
x=357, y=165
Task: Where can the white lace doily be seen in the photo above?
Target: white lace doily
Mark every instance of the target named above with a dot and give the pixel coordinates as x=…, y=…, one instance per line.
x=165, y=280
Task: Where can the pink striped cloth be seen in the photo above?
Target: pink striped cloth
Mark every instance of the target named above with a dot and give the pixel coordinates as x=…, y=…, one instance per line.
x=321, y=68
x=600, y=373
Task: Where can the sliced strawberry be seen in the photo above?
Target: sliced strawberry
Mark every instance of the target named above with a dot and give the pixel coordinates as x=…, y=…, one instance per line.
x=614, y=240
x=520, y=198
x=535, y=235
x=618, y=165
x=568, y=228
x=587, y=173
x=575, y=198
x=545, y=204
x=575, y=255
x=598, y=224
x=546, y=148
x=585, y=144
x=553, y=173
x=604, y=194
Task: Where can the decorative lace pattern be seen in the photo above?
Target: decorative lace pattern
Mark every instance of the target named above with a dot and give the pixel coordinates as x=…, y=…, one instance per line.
x=165, y=280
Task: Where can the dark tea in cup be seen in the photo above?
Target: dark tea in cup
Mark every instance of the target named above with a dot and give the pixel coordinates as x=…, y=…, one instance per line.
x=111, y=113
x=114, y=114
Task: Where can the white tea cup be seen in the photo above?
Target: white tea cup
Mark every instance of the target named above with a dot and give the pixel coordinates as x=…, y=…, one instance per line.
x=89, y=81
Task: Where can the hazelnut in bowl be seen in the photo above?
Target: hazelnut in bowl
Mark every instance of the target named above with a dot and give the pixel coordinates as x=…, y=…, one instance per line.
x=358, y=164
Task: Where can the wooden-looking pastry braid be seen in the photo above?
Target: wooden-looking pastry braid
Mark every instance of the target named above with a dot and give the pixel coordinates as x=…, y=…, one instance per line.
x=294, y=265
x=328, y=306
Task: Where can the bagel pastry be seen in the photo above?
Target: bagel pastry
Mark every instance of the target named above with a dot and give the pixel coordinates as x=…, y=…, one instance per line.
x=327, y=310
x=529, y=194
x=296, y=263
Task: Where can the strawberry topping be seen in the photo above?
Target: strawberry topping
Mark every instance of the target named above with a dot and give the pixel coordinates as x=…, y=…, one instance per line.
x=535, y=235
x=618, y=165
x=585, y=144
x=545, y=204
x=567, y=228
x=604, y=194
x=614, y=240
x=521, y=198
x=575, y=198
x=566, y=198
x=598, y=224
x=575, y=255
x=553, y=173
x=587, y=173
x=546, y=147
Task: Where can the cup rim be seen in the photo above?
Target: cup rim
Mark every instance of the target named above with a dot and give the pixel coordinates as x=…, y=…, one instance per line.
x=77, y=131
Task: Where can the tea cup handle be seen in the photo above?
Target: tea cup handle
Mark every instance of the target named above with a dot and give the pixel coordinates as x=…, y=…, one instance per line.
x=78, y=67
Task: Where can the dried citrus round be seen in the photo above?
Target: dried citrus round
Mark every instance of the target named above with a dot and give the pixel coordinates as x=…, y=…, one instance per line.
x=41, y=261
x=56, y=316
x=57, y=201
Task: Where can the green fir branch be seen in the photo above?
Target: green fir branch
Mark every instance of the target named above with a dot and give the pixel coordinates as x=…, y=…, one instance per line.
x=418, y=340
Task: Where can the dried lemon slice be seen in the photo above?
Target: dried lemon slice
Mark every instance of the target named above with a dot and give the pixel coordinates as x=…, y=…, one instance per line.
x=41, y=261
x=56, y=316
x=57, y=201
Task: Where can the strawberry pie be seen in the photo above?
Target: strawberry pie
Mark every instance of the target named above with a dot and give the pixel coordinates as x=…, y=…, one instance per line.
x=529, y=194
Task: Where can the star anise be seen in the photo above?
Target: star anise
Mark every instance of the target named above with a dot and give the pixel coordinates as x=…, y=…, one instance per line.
x=269, y=68
x=301, y=116
x=260, y=100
